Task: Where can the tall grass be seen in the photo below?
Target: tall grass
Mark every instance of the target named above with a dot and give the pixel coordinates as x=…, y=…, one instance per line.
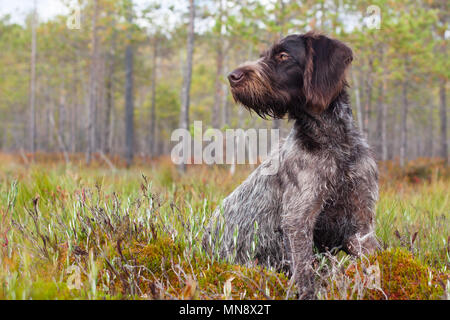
x=71, y=232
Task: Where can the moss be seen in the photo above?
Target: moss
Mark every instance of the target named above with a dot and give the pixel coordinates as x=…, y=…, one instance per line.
x=46, y=290
x=402, y=277
x=167, y=264
x=36, y=287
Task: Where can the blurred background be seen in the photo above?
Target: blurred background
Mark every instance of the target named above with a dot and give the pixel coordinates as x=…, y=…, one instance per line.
x=111, y=79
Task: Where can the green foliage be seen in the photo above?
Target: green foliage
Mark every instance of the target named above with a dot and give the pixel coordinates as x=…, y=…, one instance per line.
x=87, y=233
x=410, y=36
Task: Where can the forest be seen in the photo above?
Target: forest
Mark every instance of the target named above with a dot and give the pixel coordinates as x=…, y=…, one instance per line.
x=112, y=78
x=92, y=206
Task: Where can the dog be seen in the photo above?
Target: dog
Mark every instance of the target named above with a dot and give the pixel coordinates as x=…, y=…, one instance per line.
x=326, y=187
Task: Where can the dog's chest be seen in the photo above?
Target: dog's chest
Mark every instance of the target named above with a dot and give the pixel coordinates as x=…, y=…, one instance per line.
x=299, y=166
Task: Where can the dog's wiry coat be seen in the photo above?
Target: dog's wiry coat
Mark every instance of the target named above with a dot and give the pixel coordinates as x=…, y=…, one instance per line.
x=325, y=189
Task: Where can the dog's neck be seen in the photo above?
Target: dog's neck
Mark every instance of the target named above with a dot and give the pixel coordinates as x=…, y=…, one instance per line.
x=332, y=127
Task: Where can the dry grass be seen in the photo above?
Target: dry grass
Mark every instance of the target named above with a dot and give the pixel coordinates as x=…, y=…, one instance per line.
x=72, y=232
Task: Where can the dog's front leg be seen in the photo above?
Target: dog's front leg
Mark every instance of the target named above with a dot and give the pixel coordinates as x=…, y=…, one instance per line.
x=300, y=211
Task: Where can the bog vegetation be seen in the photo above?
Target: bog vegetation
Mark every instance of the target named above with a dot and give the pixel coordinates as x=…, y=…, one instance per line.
x=77, y=232
x=79, y=103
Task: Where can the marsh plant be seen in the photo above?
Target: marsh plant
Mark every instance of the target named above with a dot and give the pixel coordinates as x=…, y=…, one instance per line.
x=71, y=232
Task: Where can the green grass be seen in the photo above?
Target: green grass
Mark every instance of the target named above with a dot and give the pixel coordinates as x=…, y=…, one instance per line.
x=417, y=218
x=71, y=232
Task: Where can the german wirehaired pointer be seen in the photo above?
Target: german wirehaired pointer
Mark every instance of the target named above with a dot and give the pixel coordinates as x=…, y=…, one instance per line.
x=325, y=190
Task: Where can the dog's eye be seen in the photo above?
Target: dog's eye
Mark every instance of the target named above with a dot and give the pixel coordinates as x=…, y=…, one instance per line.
x=283, y=56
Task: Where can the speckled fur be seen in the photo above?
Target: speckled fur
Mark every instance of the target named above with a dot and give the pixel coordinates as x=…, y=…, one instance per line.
x=323, y=195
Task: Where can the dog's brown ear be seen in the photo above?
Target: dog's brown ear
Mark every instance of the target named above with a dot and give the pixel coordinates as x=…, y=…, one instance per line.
x=324, y=77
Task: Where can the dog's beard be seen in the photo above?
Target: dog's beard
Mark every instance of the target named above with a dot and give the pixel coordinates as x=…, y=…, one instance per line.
x=256, y=94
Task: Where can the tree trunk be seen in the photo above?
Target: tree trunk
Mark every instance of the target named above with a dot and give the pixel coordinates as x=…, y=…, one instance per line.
x=185, y=94
x=49, y=142
x=276, y=123
x=59, y=132
x=73, y=127
x=443, y=116
x=379, y=135
x=62, y=120
x=91, y=134
x=129, y=103
x=430, y=131
x=79, y=106
x=109, y=95
x=100, y=101
x=215, y=119
x=152, y=138
x=359, y=115
x=218, y=93
x=368, y=105
x=404, y=128
x=384, y=149
x=381, y=114
x=225, y=102
x=109, y=107
x=33, y=82
x=112, y=136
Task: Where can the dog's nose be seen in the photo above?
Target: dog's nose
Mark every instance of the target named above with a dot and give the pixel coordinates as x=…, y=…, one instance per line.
x=235, y=76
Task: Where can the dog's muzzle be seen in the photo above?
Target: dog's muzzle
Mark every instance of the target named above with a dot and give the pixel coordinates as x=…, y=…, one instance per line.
x=235, y=77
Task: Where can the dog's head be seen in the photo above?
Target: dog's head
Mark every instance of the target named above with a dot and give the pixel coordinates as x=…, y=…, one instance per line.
x=301, y=73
